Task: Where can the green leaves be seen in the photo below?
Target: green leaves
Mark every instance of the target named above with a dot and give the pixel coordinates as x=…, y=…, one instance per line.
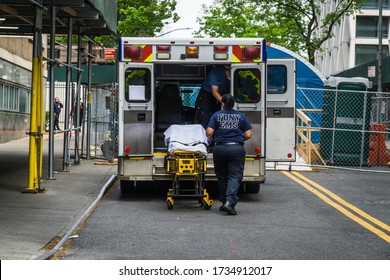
x=294, y=24
x=141, y=18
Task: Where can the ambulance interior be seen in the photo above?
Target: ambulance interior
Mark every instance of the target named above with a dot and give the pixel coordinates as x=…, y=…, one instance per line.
x=176, y=90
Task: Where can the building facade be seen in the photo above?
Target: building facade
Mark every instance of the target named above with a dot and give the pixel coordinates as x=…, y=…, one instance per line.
x=356, y=38
x=15, y=87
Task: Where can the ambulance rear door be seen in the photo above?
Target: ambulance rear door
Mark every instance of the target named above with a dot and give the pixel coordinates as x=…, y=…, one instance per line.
x=248, y=88
x=137, y=112
x=280, y=131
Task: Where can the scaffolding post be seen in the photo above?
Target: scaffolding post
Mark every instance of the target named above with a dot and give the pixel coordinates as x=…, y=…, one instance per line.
x=65, y=157
x=89, y=100
x=76, y=112
x=51, y=94
x=37, y=116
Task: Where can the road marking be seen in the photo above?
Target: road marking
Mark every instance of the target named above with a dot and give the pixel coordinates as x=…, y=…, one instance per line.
x=343, y=202
x=315, y=189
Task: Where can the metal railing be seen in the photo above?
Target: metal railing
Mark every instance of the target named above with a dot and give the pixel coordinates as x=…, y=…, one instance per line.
x=339, y=128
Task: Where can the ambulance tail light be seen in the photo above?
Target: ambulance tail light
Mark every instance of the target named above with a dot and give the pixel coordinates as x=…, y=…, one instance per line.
x=127, y=150
x=289, y=155
x=251, y=52
x=221, y=52
x=257, y=150
x=132, y=52
x=191, y=52
x=163, y=52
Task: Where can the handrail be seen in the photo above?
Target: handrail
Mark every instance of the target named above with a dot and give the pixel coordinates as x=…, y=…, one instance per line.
x=305, y=146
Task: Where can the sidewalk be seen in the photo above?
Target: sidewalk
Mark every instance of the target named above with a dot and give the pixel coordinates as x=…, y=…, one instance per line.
x=31, y=221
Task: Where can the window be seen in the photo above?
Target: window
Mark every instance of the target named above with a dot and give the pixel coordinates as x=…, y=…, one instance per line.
x=1, y=96
x=13, y=98
x=189, y=93
x=373, y=4
x=137, y=85
x=24, y=104
x=367, y=53
x=6, y=97
x=367, y=27
x=247, y=85
x=276, y=79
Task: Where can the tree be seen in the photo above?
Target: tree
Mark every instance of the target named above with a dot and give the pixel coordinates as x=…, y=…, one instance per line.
x=141, y=18
x=294, y=24
x=241, y=18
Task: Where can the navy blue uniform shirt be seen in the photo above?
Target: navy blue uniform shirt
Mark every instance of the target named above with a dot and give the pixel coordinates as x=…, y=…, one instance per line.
x=216, y=77
x=229, y=126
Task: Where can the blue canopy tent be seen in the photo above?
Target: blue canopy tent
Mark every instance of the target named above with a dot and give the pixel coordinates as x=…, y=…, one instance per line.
x=307, y=75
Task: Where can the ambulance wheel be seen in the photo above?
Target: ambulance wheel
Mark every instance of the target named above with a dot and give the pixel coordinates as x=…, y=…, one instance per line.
x=252, y=187
x=127, y=187
x=169, y=205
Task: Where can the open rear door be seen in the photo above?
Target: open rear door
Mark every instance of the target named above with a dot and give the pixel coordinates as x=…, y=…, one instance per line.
x=137, y=114
x=280, y=134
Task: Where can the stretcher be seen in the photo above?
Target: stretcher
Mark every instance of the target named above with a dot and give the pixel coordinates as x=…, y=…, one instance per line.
x=186, y=160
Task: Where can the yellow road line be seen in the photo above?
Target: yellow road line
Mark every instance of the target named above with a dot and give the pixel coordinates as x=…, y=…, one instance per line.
x=347, y=213
x=342, y=201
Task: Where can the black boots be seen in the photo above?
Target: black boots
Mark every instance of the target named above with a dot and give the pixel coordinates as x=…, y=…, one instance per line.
x=228, y=207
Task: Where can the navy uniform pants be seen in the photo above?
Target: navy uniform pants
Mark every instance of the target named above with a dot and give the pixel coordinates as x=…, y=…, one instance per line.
x=229, y=163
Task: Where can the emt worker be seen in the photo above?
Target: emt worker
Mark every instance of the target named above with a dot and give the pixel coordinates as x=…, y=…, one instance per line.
x=229, y=129
x=215, y=84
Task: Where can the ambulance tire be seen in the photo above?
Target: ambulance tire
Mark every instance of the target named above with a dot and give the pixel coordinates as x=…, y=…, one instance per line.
x=252, y=187
x=127, y=187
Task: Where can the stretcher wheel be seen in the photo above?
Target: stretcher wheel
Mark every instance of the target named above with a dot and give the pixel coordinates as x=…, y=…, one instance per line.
x=207, y=203
x=169, y=205
x=206, y=206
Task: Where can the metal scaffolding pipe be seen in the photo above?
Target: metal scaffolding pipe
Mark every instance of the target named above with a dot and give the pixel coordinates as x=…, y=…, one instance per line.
x=89, y=113
x=65, y=161
x=51, y=94
x=36, y=117
x=77, y=104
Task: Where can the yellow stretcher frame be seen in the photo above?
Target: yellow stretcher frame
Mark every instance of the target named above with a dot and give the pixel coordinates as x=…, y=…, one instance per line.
x=190, y=166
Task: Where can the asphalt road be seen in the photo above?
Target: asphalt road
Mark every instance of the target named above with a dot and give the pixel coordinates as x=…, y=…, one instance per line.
x=338, y=215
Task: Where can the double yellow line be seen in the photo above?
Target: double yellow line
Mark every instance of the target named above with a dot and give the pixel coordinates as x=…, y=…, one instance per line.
x=341, y=205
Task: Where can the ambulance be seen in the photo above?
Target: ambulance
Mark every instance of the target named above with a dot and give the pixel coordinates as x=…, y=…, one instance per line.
x=159, y=81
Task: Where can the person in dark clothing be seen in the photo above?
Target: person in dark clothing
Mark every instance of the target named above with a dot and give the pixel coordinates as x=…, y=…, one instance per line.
x=229, y=129
x=73, y=113
x=216, y=83
x=57, y=110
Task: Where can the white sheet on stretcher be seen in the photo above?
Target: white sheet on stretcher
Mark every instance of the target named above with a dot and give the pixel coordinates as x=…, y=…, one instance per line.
x=186, y=137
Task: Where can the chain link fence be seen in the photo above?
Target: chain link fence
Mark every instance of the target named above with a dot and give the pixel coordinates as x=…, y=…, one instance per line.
x=343, y=128
x=102, y=110
x=103, y=115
